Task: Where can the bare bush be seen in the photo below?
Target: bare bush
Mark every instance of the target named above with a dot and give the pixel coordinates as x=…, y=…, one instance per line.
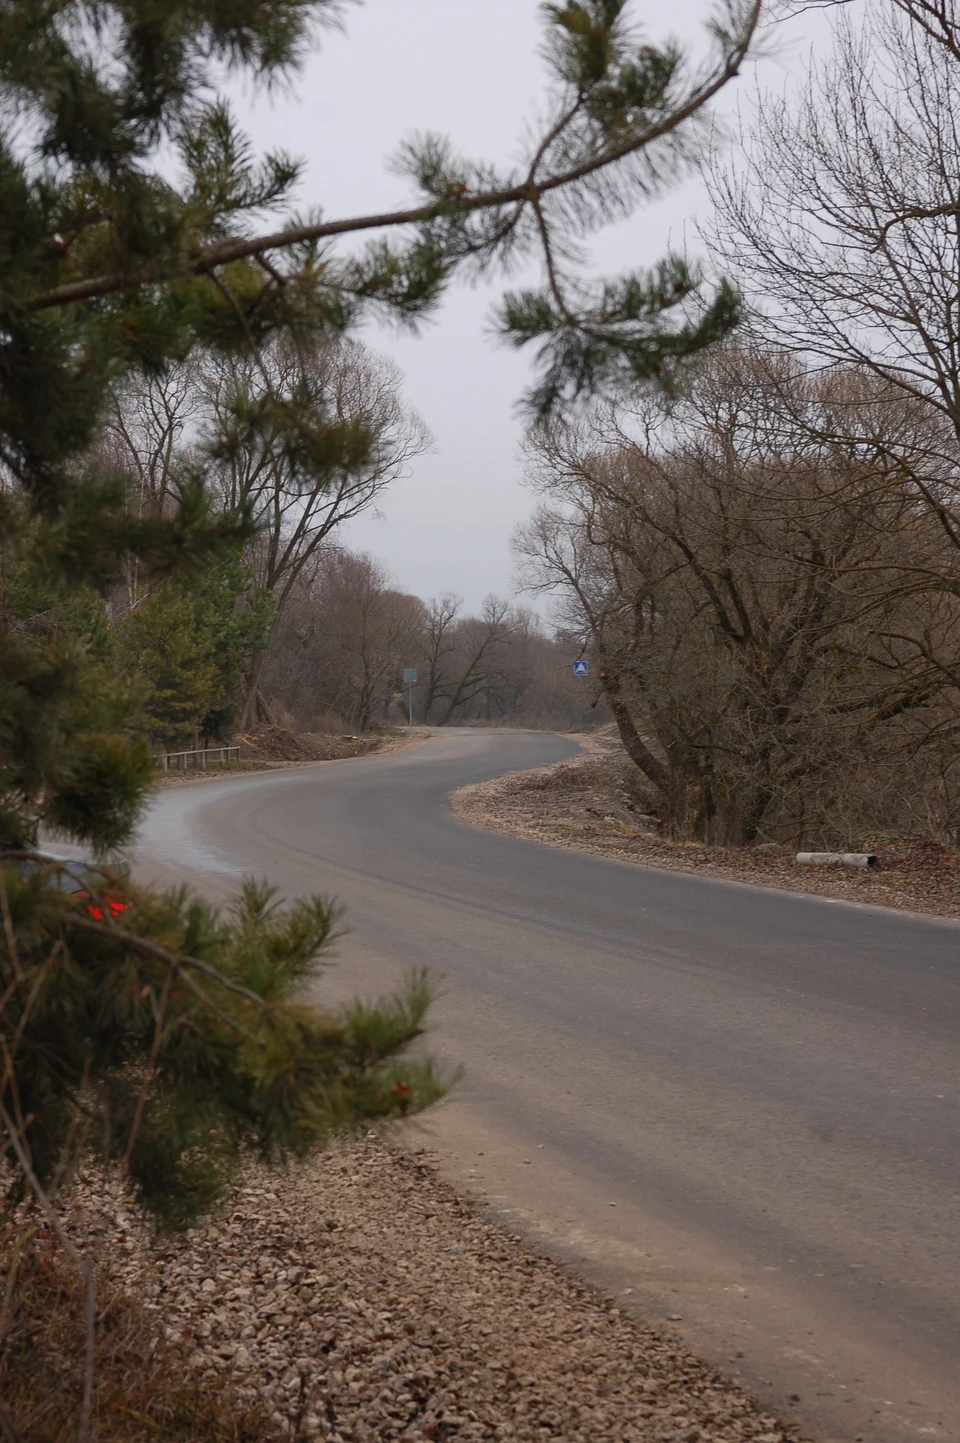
x=143, y=1385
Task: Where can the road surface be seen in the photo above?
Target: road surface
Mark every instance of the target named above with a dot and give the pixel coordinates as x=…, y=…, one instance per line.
x=735, y=1107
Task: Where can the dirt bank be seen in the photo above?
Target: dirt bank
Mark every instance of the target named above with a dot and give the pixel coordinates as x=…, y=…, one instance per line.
x=587, y=804
x=276, y=749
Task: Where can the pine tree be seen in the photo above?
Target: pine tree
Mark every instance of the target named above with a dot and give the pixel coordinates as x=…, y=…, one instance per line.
x=165, y=646
x=164, y=1035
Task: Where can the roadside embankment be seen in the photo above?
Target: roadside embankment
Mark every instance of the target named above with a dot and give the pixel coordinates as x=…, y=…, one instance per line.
x=360, y=1298
x=277, y=748
x=586, y=804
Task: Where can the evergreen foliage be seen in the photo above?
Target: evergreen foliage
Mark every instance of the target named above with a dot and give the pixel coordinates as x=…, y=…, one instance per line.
x=166, y=646
x=173, y=1037
x=187, y=646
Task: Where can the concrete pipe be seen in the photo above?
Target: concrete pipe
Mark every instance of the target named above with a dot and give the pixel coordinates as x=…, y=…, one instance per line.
x=837, y=859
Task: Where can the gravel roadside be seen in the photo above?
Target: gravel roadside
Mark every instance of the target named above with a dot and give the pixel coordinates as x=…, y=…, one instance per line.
x=360, y=1298
x=584, y=804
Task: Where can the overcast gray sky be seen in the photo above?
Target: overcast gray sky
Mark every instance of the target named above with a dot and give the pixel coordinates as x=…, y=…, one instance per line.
x=471, y=69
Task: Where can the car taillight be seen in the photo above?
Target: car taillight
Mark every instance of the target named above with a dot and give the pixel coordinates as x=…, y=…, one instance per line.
x=113, y=905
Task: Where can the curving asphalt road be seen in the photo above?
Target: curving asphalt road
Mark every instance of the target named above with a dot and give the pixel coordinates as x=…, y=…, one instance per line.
x=735, y=1106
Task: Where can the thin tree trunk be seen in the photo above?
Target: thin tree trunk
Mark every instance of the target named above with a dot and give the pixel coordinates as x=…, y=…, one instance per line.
x=255, y=711
x=636, y=748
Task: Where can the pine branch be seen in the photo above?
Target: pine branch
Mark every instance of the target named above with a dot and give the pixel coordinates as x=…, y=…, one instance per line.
x=173, y=959
x=528, y=192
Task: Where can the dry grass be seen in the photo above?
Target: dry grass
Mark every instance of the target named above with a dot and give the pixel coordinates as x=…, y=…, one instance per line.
x=144, y=1387
x=283, y=744
x=277, y=748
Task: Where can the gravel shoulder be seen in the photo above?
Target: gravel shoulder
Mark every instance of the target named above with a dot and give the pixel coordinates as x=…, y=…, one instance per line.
x=586, y=805
x=361, y=1298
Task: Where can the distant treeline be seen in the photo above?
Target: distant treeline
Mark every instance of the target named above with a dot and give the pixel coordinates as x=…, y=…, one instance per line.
x=286, y=624
x=347, y=635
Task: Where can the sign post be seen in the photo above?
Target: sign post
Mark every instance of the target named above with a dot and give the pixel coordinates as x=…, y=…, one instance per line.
x=581, y=669
x=410, y=681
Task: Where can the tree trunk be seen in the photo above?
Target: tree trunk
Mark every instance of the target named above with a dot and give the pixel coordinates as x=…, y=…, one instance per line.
x=636, y=748
x=754, y=813
x=255, y=711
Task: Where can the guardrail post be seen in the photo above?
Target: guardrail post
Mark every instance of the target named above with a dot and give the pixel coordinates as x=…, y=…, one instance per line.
x=199, y=758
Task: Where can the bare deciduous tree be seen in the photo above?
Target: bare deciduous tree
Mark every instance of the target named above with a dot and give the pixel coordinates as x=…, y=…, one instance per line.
x=437, y=649
x=306, y=441
x=347, y=635
x=742, y=588
x=343, y=641
x=843, y=213
x=463, y=655
x=153, y=419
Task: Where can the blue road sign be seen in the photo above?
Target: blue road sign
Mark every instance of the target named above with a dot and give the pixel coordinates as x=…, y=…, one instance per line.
x=581, y=668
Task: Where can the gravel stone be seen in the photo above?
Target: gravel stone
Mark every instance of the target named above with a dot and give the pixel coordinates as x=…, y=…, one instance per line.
x=417, y=1319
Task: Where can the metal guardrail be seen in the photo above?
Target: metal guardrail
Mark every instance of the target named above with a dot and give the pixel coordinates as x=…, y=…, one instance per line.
x=197, y=759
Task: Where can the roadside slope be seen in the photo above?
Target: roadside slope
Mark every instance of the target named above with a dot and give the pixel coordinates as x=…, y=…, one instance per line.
x=359, y=1297
x=585, y=804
